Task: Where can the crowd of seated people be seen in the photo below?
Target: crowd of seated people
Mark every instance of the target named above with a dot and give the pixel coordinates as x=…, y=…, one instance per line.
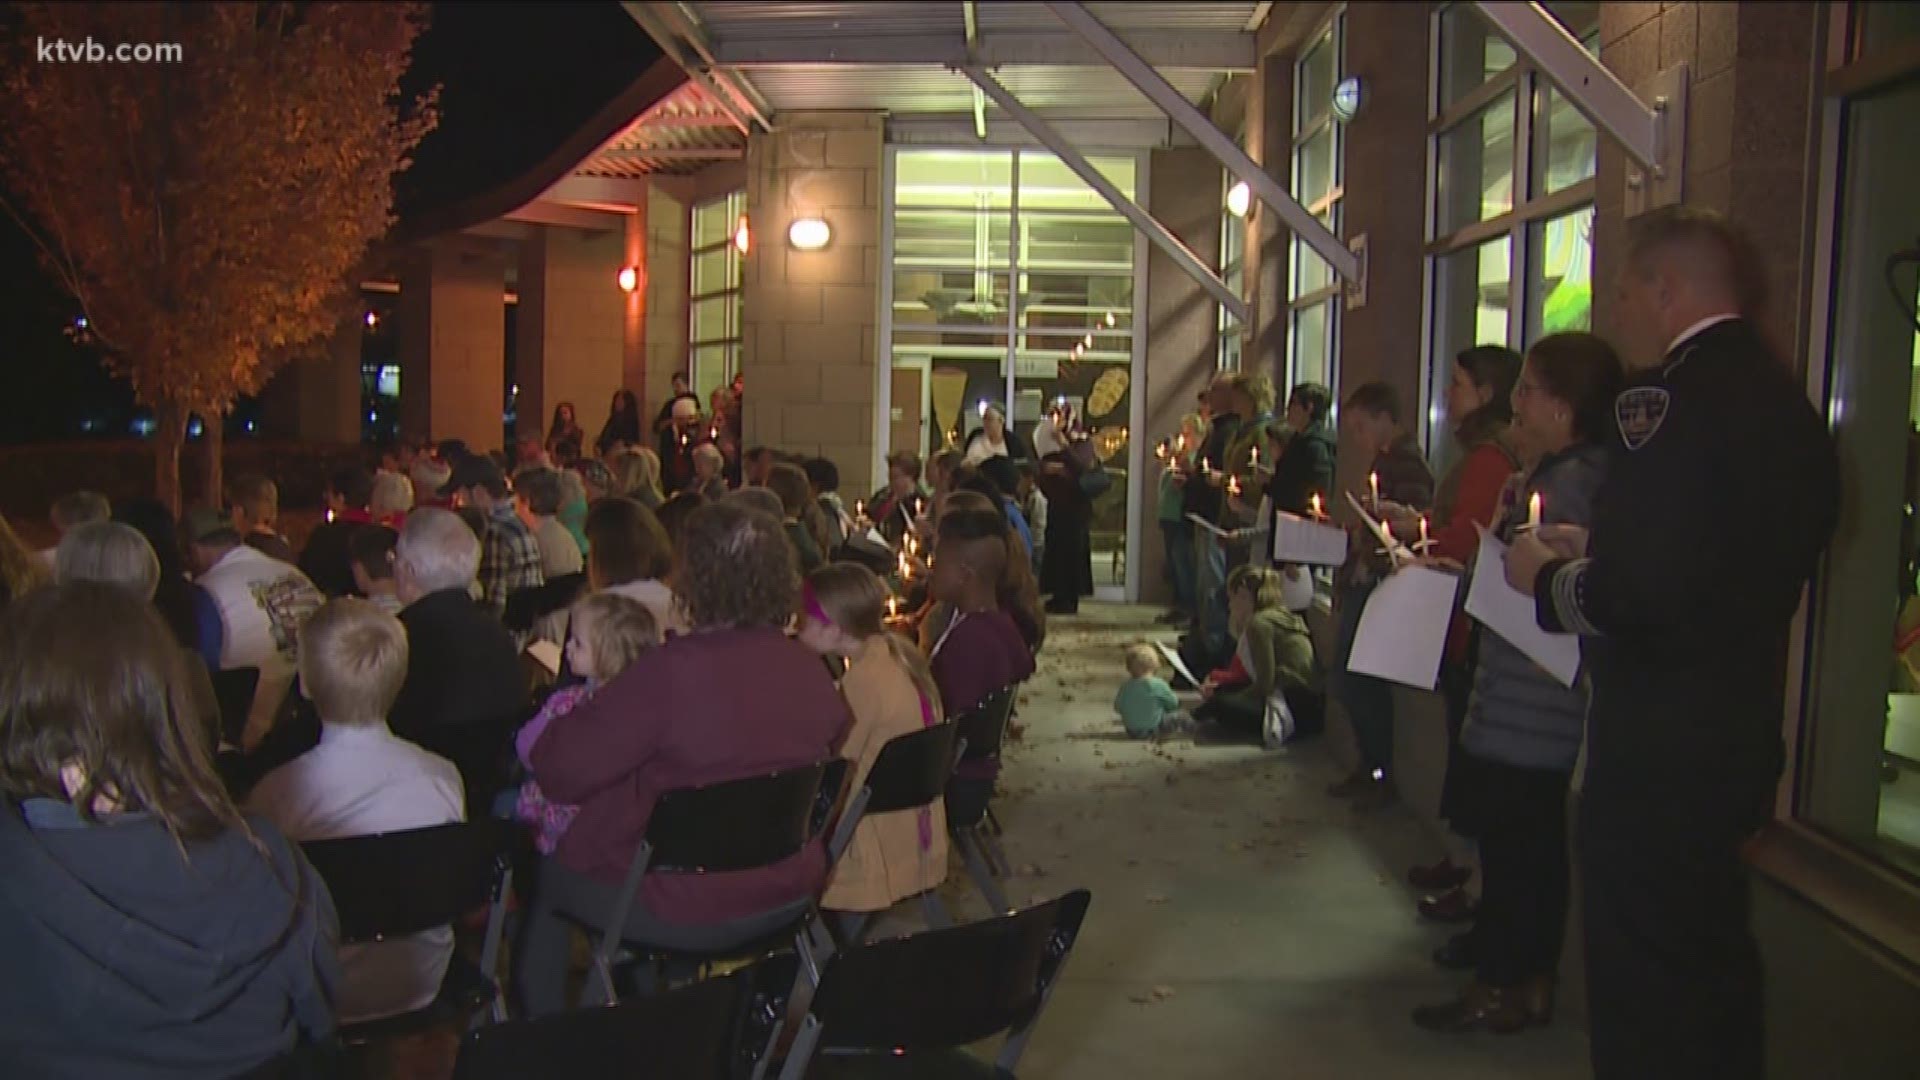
x=152, y=829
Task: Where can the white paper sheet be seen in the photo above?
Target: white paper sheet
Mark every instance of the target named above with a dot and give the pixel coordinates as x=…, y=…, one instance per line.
x=1172, y=656
x=546, y=653
x=1403, y=630
x=1509, y=613
x=1394, y=548
x=1307, y=542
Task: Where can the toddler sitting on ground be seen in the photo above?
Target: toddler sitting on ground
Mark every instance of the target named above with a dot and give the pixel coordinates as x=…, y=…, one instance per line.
x=1145, y=702
x=609, y=632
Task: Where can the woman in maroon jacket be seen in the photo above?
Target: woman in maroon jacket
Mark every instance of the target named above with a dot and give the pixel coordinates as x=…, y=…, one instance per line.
x=734, y=697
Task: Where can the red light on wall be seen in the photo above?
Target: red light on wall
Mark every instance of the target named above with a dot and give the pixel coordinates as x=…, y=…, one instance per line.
x=629, y=278
x=742, y=236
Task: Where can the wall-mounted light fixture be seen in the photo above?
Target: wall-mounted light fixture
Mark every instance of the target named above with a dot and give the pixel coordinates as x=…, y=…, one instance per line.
x=629, y=278
x=1348, y=97
x=742, y=236
x=809, y=233
x=1239, y=199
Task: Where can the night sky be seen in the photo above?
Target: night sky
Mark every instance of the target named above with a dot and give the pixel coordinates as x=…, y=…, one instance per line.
x=515, y=79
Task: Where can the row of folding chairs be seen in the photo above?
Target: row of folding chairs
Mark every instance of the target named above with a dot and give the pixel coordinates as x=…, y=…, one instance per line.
x=404, y=882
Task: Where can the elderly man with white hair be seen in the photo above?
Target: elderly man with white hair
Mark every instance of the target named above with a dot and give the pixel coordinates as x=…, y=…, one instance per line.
x=465, y=689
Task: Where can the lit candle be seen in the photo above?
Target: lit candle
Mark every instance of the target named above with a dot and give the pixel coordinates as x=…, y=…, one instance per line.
x=859, y=508
x=1373, y=485
x=893, y=607
x=1314, y=507
x=1533, y=511
x=1256, y=459
x=329, y=513
x=1233, y=486
x=714, y=432
x=906, y=568
x=1423, y=530
x=683, y=439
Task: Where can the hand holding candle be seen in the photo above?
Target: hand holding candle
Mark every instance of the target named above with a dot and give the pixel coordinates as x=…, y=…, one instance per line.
x=1533, y=512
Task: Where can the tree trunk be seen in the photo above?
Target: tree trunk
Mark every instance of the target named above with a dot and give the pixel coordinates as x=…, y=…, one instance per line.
x=169, y=431
x=213, y=440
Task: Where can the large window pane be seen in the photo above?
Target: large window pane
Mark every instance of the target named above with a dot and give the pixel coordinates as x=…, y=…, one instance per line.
x=1472, y=301
x=1077, y=239
x=1564, y=144
x=712, y=223
x=1476, y=167
x=949, y=297
x=1560, y=288
x=1861, y=772
x=1319, y=68
x=1313, y=164
x=714, y=319
x=715, y=270
x=1470, y=53
x=1046, y=184
x=1312, y=341
x=954, y=179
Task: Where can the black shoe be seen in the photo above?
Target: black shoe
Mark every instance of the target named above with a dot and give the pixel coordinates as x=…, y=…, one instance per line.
x=1458, y=954
x=1063, y=607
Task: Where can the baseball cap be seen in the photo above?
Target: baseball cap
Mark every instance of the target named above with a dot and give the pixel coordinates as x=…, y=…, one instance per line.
x=475, y=470
x=203, y=523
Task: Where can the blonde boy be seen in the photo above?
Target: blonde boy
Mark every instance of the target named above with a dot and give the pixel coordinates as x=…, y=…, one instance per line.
x=1145, y=701
x=362, y=779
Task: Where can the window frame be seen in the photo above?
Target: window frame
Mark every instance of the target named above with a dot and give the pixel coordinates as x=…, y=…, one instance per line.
x=735, y=204
x=1308, y=126
x=1531, y=205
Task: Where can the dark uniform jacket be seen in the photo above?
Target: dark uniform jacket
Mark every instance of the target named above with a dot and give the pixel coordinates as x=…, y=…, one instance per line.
x=1721, y=494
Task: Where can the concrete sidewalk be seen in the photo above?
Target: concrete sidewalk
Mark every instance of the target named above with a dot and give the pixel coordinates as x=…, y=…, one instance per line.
x=1243, y=924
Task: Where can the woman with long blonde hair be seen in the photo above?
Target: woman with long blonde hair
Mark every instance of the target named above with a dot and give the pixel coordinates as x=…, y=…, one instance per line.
x=890, y=688
x=637, y=475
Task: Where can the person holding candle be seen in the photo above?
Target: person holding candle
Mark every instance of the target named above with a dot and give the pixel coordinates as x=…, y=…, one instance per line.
x=1398, y=473
x=1175, y=529
x=1480, y=406
x=1686, y=618
x=1521, y=729
x=891, y=692
x=1209, y=643
x=1303, y=451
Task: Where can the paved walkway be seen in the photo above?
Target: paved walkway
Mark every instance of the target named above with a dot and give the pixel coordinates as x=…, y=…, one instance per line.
x=1243, y=924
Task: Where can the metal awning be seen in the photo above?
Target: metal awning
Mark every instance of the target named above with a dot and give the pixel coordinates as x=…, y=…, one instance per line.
x=684, y=132
x=904, y=59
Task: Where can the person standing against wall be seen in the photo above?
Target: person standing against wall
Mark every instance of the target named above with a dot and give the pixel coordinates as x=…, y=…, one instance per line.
x=1723, y=491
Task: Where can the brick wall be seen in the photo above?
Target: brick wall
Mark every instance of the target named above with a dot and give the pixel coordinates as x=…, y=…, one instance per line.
x=1748, y=134
x=811, y=339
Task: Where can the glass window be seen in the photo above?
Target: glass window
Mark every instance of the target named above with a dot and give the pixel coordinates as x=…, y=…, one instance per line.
x=1475, y=177
x=713, y=307
x=1319, y=72
x=1564, y=145
x=1860, y=771
x=1013, y=282
x=1470, y=53
x=1313, y=167
x=1560, y=290
x=1312, y=335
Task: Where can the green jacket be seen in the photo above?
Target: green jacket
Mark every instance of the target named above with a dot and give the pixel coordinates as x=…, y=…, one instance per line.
x=1279, y=652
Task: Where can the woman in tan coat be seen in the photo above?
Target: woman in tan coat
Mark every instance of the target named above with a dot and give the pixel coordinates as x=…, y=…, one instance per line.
x=903, y=853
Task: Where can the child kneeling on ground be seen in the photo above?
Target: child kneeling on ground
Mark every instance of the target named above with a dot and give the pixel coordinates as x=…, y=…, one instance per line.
x=1282, y=697
x=1145, y=702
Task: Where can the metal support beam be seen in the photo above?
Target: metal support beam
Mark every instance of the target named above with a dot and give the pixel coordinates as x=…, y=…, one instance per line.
x=739, y=105
x=1205, y=50
x=1175, y=105
x=680, y=19
x=1640, y=129
x=1145, y=222
x=972, y=20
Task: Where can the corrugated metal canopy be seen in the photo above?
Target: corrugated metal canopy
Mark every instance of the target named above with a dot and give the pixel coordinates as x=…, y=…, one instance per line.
x=683, y=132
x=898, y=58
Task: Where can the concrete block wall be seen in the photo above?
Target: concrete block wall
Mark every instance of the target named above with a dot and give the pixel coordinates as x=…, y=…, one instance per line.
x=316, y=398
x=810, y=350
x=453, y=332
x=1183, y=193
x=571, y=323
x=1749, y=129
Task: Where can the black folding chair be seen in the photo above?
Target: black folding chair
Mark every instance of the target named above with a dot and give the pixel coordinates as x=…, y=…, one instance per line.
x=718, y=1029
x=233, y=689
x=729, y=826
x=399, y=883
x=910, y=772
x=984, y=728
x=907, y=1006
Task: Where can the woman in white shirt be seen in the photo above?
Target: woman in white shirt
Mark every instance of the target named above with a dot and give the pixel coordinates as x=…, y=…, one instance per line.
x=993, y=438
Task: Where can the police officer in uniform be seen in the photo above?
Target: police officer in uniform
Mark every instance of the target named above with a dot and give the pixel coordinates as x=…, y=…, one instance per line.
x=1722, y=492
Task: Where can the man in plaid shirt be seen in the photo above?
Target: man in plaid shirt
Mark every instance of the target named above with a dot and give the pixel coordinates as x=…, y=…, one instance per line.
x=509, y=554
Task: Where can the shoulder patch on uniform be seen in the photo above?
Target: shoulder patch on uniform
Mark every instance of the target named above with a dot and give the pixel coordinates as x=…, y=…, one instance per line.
x=1639, y=412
